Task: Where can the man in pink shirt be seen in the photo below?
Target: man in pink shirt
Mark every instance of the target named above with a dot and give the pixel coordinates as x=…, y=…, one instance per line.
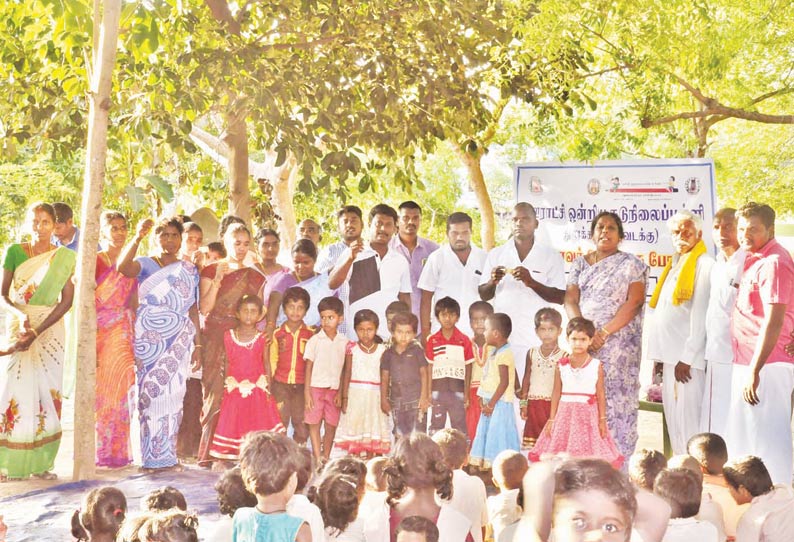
x=759, y=422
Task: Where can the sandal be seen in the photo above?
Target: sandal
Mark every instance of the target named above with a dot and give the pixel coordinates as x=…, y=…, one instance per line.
x=46, y=475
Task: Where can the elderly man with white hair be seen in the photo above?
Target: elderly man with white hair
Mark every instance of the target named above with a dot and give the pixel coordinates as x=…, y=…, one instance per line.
x=678, y=327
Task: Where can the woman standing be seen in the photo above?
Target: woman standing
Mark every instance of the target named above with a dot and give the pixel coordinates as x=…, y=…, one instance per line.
x=267, y=247
x=304, y=256
x=165, y=330
x=222, y=285
x=115, y=374
x=607, y=286
x=37, y=291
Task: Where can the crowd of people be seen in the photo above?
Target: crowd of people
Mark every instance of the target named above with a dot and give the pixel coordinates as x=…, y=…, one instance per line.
x=364, y=344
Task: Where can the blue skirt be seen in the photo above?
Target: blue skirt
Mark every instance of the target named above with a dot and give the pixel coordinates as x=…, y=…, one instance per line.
x=495, y=434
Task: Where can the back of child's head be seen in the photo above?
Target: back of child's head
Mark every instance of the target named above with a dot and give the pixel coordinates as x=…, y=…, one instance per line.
x=338, y=497
x=681, y=489
x=454, y=447
x=130, y=529
x=417, y=462
x=644, y=465
x=502, y=323
x=164, y=498
x=404, y=319
x=482, y=307
x=218, y=248
x=582, y=325
x=710, y=451
x=232, y=493
x=350, y=465
x=396, y=307
x=268, y=461
x=169, y=526
x=296, y=293
x=416, y=529
x=509, y=468
x=102, y=512
x=331, y=303
x=249, y=299
x=366, y=315
x=447, y=304
x=550, y=315
x=587, y=474
x=684, y=461
x=750, y=473
x=306, y=468
x=376, y=478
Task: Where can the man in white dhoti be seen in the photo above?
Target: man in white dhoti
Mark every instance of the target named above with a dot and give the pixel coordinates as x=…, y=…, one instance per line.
x=759, y=421
x=678, y=328
x=725, y=276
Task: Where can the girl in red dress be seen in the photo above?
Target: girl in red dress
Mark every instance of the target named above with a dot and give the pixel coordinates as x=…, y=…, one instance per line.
x=247, y=404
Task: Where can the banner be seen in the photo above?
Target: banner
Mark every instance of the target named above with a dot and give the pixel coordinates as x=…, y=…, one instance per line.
x=643, y=193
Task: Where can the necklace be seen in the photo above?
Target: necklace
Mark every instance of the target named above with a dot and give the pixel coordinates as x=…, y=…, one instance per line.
x=547, y=359
x=245, y=344
x=584, y=364
x=369, y=349
x=32, y=250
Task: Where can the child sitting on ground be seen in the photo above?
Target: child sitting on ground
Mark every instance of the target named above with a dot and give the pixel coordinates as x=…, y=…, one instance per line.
x=325, y=359
x=299, y=505
x=164, y=498
x=478, y=312
x=100, y=516
x=710, y=511
x=232, y=495
x=505, y=508
x=269, y=464
x=750, y=483
x=468, y=492
x=682, y=491
x=644, y=465
x=169, y=526
x=711, y=453
x=417, y=529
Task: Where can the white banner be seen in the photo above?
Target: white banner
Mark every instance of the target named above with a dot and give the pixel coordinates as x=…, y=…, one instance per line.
x=644, y=193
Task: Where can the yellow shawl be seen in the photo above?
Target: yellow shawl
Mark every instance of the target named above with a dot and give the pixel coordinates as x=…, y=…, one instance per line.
x=685, y=286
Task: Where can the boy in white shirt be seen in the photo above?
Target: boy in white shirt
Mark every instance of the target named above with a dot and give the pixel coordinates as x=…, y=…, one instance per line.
x=468, y=492
x=710, y=510
x=681, y=489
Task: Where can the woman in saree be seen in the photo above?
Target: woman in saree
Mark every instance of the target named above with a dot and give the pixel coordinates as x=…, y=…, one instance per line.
x=115, y=373
x=165, y=338
x=37, y=291
x=267, y=247
x=304, y=256
x=607, y=286
x=221, y=287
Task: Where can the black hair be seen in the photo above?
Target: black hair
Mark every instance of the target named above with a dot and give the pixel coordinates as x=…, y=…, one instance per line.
x=266, y=232
x=171, y=221
x=509, y=468
x=482, y=306
x=305, y=469
x=43, y=207
x=416, y=461
x=366, y=315
x=249, y=299
x=232, y=493
x=338, y=498
x=585, y=474
x=192, y=226
x=103, y=511
x=548, y=314
x=613, y=216
x=710, y=451
x=396, y=306
x=350, y=209
x=376, y=478
x=170, y=526
x=296, y=293
x=164, y=498
x=748, y=472
x=331, y=303
x=109, y=216
x=227, y=221
x=458, y=218
x=447, y=304
x=348, y=464
x=62, y=212
x=404, y=319
x=267, y=461
x=644, y=465
x=418, y=524
x=305, y=246
x=410, y=204
x=501, y=323
x=217, y=246
x=681, y=489
x=383, y=209
x=582, y=325
x=454, y=447
x=763, y=211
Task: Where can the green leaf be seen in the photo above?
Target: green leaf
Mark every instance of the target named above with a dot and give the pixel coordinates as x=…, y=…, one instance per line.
x=137, y=197
x=160, y=185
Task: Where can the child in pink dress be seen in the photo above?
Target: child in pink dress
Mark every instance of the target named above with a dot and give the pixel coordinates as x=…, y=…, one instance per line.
x=578, y=422
x=247, y=404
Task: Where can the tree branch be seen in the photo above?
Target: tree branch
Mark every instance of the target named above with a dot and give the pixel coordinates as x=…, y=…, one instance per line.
x=221, y=13
x=772, y=94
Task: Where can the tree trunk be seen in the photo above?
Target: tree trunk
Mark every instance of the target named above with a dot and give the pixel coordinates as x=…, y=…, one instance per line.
x=85, y=309
x=477, y=180
x=236, y=138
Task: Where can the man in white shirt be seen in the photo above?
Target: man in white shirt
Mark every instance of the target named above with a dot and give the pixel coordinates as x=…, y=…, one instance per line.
x=522, y=277
x=351, y=224
x=725, y=277
x=375, y=276
x=678, y=330
x=454, y=270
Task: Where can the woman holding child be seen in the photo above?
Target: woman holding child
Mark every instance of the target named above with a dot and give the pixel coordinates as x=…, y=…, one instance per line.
x=165, y=331
x=607, y=286
x=37, y=291
x=222, y=286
